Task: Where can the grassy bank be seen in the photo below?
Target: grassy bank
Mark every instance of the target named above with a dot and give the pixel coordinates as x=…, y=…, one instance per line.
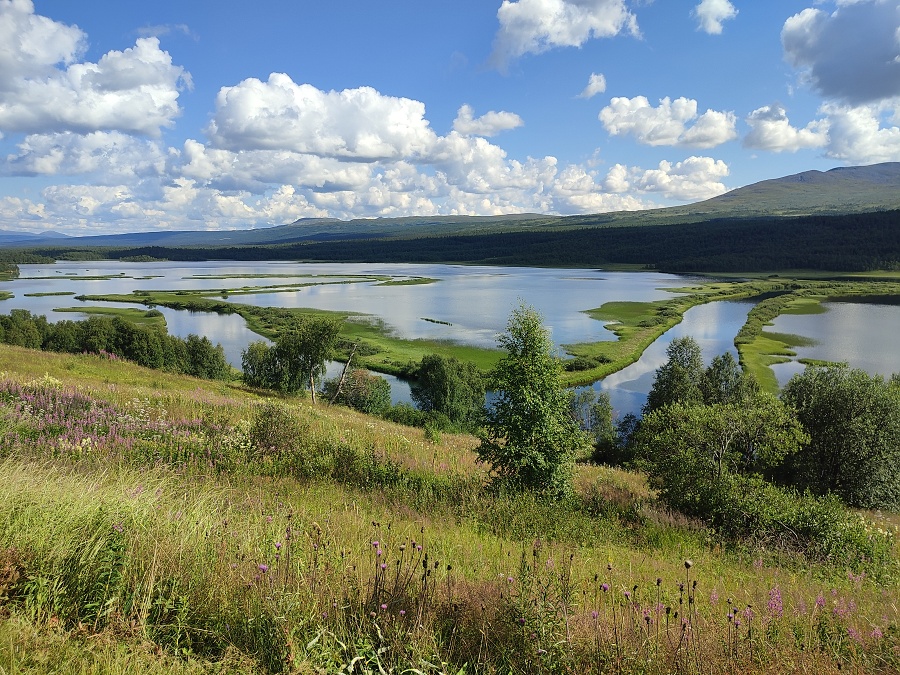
x=759, y=348
x=145, y=523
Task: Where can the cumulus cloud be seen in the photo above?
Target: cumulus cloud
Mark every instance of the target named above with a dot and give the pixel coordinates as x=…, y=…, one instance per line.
x=32, y=46
x=667, y=124
x=577, y=190
x=770, y=129
x=135, y=90
x=596, y=85
x=864, y=134
x=489, y=124
x=851, y=54
x=711, y=13
x=109, y=157
x=689, y=180
x=359, y=124
x=45, y=88
x=536, y=26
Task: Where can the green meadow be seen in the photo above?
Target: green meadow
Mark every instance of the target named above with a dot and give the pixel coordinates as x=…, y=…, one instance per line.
x=159, y=522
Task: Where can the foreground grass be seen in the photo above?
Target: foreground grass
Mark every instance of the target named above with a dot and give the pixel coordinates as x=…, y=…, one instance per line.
x=174, y=542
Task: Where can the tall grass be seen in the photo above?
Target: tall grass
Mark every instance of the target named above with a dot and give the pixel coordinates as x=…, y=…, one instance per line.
x=188, y=536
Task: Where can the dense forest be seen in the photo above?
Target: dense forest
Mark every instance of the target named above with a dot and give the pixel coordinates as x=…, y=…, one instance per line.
x=853, y=242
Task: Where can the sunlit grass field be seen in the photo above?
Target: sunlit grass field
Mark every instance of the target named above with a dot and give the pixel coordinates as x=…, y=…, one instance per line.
x=158, y=523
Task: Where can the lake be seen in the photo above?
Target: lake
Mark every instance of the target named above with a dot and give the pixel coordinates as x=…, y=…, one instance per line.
x=467, y=304
x=863, y=334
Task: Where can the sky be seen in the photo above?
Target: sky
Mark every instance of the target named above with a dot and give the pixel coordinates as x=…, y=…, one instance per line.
x=125, y=116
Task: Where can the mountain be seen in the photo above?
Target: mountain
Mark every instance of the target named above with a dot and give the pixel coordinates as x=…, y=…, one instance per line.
x=842, y=190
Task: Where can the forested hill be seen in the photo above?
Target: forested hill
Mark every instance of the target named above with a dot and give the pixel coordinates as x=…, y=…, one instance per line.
x=858, y=242
x=841, y=191
x=846, y=219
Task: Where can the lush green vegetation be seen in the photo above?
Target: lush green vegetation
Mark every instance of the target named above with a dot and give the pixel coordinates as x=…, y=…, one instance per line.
x=374, y=346
x=154, y=521
x=141, y=339
x=530, y=439
x=296, y=361
x=759, y=348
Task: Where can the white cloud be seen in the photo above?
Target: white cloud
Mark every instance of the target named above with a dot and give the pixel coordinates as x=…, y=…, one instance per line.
x=596, y=85
x=135, y=90
x=852, y=54
x=489, y=124
x=576, y=190
x=690, y=180
x=360, y=124
x=770, y=129
x=862, y=134
x=536, y=26
x=711, y=13
x=31, y=46
x=667, y=124
x=110, y=157
x=857, y=134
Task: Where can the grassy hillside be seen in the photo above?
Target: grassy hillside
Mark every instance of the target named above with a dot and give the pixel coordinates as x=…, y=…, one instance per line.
x=174, y=525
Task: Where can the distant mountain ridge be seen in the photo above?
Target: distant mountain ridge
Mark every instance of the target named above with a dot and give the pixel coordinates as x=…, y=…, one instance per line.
x=842, y=190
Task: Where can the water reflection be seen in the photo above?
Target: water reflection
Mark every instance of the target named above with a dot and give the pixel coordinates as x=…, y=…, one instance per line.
x=713, y=325
x=862, y=334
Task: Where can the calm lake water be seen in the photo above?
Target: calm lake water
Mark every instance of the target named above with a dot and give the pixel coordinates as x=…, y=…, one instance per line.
x=472, y=303
x=862, y=334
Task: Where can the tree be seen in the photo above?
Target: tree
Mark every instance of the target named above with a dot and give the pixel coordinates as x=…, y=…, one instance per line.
x=677, y=380
x=853, y=420
x=258, y=364
x=301, y=353
x=206, y=359
x=296, y=361
x=362, y=391
x=530, y=437
x=725, y=382
x=693, y=452
x=451, y=387
x=593, y=412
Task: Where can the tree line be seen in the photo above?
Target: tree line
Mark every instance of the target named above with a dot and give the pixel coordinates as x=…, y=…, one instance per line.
x=848, y=242
x=115, y=337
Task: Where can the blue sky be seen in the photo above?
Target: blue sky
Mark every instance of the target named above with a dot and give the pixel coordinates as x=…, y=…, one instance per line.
x=123, y=116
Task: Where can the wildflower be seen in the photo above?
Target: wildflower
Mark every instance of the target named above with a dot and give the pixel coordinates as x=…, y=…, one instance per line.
x=278, y=545
x=594, y=614
x=820, y=601
x=604, y=587
x=383, y=566
x=263, y=568
x=383, y=607
x=776, y=608
x=402, y=612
